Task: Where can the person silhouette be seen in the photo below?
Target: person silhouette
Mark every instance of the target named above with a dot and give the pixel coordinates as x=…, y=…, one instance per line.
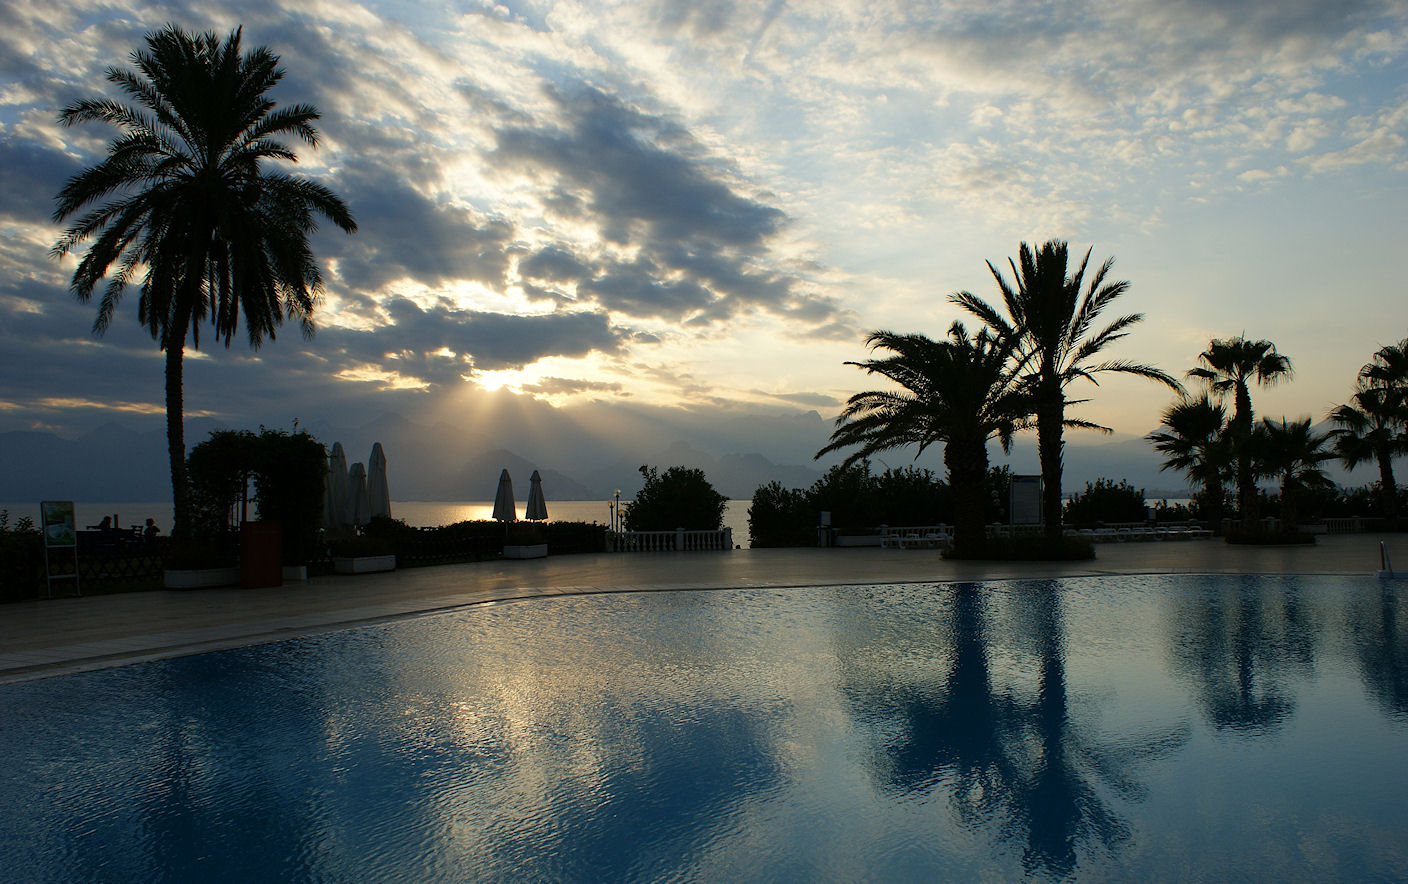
x=150, y=532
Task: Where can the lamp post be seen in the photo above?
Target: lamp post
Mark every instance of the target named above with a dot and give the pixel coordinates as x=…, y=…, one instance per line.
x=618, y=521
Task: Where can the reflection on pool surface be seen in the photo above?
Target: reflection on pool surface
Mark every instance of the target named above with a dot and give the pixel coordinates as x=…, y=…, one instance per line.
x=1132, y=728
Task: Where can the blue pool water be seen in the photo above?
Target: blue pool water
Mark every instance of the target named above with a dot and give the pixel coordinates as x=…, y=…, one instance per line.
x=1133, y=728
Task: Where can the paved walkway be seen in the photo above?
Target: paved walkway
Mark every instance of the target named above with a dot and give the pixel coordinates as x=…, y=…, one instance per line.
x=48, y=637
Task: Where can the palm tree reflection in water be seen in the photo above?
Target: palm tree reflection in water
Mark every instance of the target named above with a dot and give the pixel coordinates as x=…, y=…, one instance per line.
x=1018, y=763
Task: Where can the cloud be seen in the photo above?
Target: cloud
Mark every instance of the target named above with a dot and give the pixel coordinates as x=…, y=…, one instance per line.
x=31, y=174
x=551, y=386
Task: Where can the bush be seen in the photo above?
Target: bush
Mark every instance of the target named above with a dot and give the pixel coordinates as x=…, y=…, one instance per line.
x=1106, y=502
x=288, y=470
x=849, y=494
x=21, y=559
x=288, y=488
x=781, y=517
x=681, y=497
x=1034, y=548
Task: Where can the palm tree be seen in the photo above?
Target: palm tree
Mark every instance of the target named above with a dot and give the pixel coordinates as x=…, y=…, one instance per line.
x=1291, y=451
x=1373, y=425
x=1231, y=365
x=1194, y=440
x=182, y=200
x=1051, y=326
x=960, y=391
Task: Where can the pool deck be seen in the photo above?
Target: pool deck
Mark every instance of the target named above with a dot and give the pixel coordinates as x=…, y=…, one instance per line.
x=49, y=637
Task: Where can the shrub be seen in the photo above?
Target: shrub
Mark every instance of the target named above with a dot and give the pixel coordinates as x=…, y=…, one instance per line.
x=781, y=517
x=288, y=488
x=21, y=558
x=849, y=494
x=1106, y=501
x=681, y=497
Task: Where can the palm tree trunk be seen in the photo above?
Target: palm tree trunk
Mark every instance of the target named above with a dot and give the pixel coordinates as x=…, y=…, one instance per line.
x=1248, y=503
x=967, y=465
x=1049, y=449
x=1288, y=505
x=1388, y=488
x=176, y=428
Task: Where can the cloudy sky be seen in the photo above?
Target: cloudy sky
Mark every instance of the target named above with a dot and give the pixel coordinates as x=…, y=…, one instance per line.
x=707, y=204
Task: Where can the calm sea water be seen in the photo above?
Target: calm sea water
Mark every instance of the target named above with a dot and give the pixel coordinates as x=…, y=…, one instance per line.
x=428, y=513
x=1129, y=729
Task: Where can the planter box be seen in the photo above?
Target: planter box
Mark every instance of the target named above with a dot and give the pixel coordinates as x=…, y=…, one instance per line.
x=525, y=551
x=201, y=578
x=858, y=539
x=363, y=564
x=295, y=573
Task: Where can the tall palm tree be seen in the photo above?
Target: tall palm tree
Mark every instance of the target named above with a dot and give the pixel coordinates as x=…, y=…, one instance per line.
x=960, y=391
x=1052, y=326
x=1373, y=425
x=1231, y=365
x=182, y=200
x=1194, y=441
x=1290, y=451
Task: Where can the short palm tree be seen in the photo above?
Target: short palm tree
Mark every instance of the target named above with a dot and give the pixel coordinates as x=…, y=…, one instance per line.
x=1290, y=451
x=1373, y=425
x=1051, y=325
x=182, y=200
x=1193, y=439
x=1232, y=365
x=960, y=391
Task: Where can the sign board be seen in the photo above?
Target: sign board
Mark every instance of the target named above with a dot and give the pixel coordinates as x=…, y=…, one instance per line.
x=1024, y=500
x=57, y=519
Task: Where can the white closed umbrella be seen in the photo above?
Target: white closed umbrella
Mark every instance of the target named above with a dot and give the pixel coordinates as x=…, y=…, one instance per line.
x=338, y=514
x=504, y=508
x=378, y=491
x=357, y=491
x=537, y=507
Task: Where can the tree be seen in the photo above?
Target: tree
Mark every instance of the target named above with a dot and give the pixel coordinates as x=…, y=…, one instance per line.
x=1231, y=365
x=1050, y=325
x=680, y=497
x=1373, y=425
x=961, y=391
x=1288, y=450
x=182, y=199
x=1194, y=440
x=1106, y=501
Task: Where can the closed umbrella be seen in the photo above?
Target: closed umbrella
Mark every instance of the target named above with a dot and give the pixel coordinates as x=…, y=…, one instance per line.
x=357, y=491
x=504, y=508
x=378, y=492
x=338, y=514
x=537, y=506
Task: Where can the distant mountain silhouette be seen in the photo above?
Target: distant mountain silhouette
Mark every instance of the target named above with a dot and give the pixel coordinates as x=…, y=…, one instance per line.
x=580, y=455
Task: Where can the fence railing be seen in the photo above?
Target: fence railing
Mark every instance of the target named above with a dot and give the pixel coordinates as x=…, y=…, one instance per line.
x=669, y=541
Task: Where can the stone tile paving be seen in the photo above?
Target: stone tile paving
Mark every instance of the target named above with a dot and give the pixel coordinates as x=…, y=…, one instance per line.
x=46, y=637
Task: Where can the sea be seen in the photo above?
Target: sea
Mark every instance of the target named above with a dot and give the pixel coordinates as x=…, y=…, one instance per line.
x=421, y=513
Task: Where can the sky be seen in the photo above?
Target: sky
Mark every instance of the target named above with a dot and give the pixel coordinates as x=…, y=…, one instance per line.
x=707, y=205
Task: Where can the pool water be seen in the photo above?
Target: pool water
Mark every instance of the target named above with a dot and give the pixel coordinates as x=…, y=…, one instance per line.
x=1130, y=728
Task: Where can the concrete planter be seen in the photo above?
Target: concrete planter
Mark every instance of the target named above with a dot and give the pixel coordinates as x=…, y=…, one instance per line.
x=858, y=539
x=525, y=551
x=295, y=573
x=200, y=578
x=363, y=564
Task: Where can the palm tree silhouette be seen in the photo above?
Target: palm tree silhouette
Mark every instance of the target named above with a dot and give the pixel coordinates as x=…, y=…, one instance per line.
x=1289, y=450
x=961, y=391
x=1373, y=425
x=1231, y=365
x=1051, y=326
x=181, y=199
x=1194, y=440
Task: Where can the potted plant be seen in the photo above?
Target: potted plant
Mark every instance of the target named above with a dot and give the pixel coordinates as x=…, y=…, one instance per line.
x=362, y=555
x=525, y=540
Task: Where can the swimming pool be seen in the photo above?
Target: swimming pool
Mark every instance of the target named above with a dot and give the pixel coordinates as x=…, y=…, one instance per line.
x=1131, y=728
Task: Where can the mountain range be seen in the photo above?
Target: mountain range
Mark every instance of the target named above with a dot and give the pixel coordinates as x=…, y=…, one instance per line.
x=578, y=460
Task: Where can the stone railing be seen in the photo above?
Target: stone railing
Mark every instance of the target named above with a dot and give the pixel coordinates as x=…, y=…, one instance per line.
x=678, y=540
